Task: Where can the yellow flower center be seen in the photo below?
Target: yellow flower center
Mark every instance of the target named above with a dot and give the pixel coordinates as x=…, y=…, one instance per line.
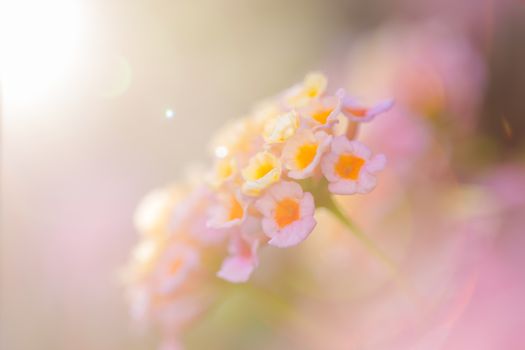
x=305, y=155
x=314, y=85
x=312, y=91
x=321, y=115
x=236, y=210
x=262, y=170
x=286, y=212
x=225, y=169
x=348, y=166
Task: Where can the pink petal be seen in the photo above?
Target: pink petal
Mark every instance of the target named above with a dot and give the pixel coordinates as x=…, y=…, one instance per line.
x=168, y=282
x=269, y=226
x=343, y=187
x=372, y=112
x=360, y=150
x=327, y=166
x=367, y=182
x=236, y=269
x=341, y=144
x=251, y=227
x=381, y=107
x=286, y=189
x=377, y=163
x=294, y=233
x=307, y=205
x=265, y=205
x=206, y=234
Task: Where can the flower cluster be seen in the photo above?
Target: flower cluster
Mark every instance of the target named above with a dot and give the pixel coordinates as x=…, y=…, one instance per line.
x=267, y=161
x=271, y=171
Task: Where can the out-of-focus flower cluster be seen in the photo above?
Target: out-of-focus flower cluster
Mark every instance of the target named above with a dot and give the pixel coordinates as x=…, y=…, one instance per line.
x=271, y=170
x=447, y=223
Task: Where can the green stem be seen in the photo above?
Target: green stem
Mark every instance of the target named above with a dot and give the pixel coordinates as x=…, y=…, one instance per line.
x=332, y=206
x=329, y=203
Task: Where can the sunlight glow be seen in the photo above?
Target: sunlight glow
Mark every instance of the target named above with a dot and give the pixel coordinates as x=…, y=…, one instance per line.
x=40, y=44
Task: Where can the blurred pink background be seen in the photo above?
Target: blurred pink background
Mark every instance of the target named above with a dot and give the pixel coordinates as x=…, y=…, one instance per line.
x=87, y=92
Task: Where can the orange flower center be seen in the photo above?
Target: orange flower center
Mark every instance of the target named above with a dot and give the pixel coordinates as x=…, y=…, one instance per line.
x=236, y=210
x=348, y=166
x=357, y=112
x=175, y=266
x=321, y=115
x=286, y=212
x=305, y=155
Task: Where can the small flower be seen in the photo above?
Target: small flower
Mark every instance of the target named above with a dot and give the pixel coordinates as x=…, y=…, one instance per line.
x=174, y=313
x=263, y=170
x=357, y=112
x=238, y=136
x=224, y=171
x=302, y=153
x=175, y=265
x=322, y=113
x=281, y=127
x=349, y=167
x=153, y=213
x=190, y=220
x=229, y=211
x=265, y=111
x=313, y=86
x=287, y=214
x=242, y=259
x=139, y=299
x=144, y=257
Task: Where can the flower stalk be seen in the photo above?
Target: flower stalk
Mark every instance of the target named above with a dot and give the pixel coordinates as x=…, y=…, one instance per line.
x=369, y=244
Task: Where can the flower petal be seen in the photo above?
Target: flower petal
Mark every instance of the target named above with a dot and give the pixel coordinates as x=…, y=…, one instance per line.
x=367, y=182
x=236, y=269
x=294, y=233
x=343, y=187
x=377, y=163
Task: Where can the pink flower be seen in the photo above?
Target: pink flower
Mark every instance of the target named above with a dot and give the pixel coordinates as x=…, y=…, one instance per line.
x=280, y=128
x=349, y=167
x=175, y=266
x=323, y=112
x=357, y=112
x=139, y=298
x=302, y=153
x=229, y=211
x=312, y=87
x=174, y=314
x=287, y=214
x=241, y=262
x=224, y=170
x=154, y=211
x=190, y=219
